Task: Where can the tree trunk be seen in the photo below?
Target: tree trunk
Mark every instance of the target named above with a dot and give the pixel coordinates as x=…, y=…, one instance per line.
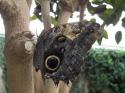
x=2, y=87
x=38, y=83
x=19, y=46
x=48, y=85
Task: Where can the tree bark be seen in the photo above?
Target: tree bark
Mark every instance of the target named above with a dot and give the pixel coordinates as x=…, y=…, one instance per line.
x=38, y=82
x=45, y=8
x=47, y=85
x=19, y=46
x=2, y=86
x=64, y=88
x=63, y=17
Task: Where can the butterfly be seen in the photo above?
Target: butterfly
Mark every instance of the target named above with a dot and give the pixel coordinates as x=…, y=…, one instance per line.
x=60, y=51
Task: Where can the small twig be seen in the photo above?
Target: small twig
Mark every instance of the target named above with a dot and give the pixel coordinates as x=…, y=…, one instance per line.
x=37, y=34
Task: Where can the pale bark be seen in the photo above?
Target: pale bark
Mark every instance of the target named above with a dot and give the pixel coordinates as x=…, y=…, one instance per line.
x=2, y=86
x=63, y=17
x=18, y=53
x=38, y=82
x=29, y=2
x=67, y=8
x=64, y=88
x=82, y=7
x=45, y=8
x=86, y=90
x=47, y=86
x=50, y=87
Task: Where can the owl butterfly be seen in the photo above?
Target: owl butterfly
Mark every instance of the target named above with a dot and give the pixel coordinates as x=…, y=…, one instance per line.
x=60, y=52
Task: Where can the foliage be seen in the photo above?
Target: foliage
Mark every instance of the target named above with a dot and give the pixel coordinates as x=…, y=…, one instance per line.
x=109, y=15
x=2, y=60
x=118, y=36
x=104, y=70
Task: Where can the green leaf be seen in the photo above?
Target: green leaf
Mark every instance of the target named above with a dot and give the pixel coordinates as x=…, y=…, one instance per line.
x=97, y=1
x=111, y=16
x=54, y=22
x=93, y=20
x=109, y=1
x=105, y=34
x=119, y=4
x=123, y=22
x=106, y=14
x=33, y=17
x=90, y=8
x=99, y=40
x=118, y=37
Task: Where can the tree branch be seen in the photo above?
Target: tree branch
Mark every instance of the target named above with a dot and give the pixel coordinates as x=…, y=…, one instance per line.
x=8, y=8
x=45, y=8
x=63, y=17
x=50, y=86
x=67, y=8
x=64, y=88
x=82, y=7
x=22, y=44
x=19, y=46
x=29, y=2
x=38, y=82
